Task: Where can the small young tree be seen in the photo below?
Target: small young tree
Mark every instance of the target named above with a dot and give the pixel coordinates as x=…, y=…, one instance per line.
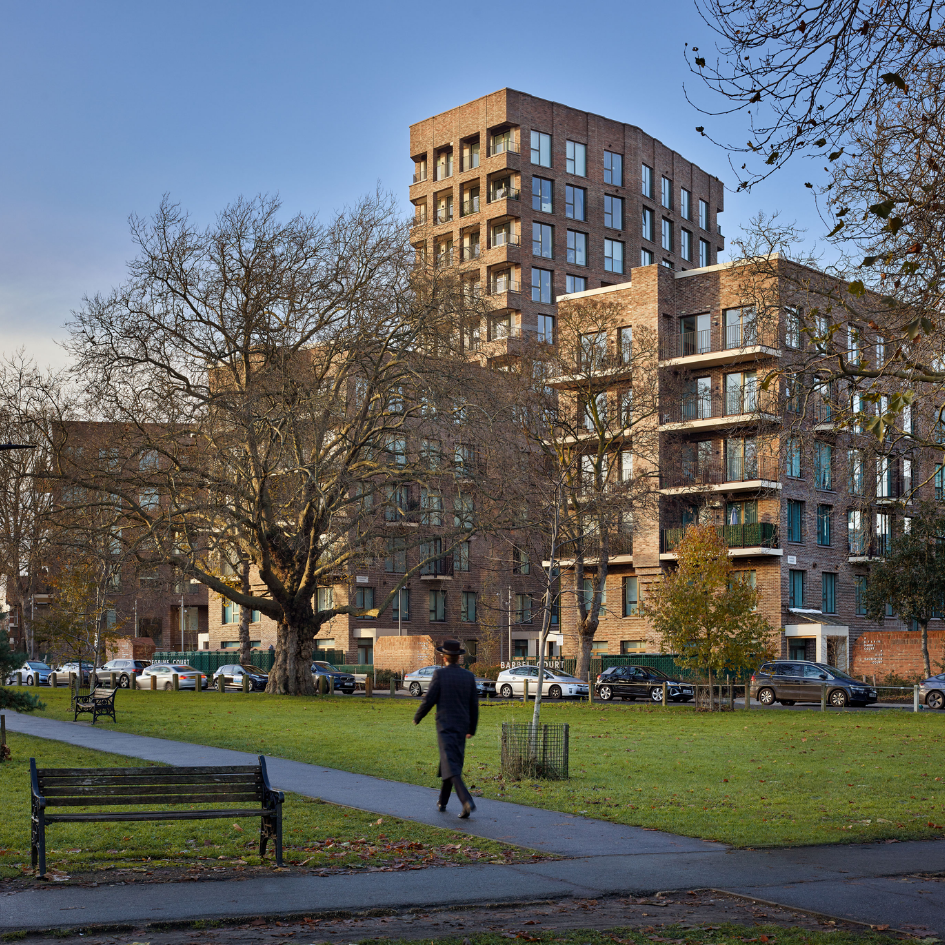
x=911, y=578
x=703, y=611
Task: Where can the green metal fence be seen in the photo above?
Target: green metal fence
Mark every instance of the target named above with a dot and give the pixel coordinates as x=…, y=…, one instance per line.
x=208, y=661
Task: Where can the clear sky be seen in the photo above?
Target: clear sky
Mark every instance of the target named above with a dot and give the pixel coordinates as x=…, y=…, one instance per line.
x=108, y=105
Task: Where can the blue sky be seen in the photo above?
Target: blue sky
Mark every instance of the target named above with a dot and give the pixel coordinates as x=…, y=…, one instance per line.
x=108, y=105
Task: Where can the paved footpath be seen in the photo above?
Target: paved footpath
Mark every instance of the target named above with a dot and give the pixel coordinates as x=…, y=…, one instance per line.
x=865, y=882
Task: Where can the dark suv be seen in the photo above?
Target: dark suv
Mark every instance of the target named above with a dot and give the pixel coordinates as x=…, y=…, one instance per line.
x=791, y=681
x=643, y=682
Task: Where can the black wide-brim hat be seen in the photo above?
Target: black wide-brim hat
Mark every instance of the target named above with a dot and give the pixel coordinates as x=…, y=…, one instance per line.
x=451, y=648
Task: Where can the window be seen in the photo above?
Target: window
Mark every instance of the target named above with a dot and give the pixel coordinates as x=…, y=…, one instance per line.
x=667, y=235
x=647, y=181
x=523, y=608
x=229, y=612
x=575, y=203
x=468, y=607
x=883, y=532
x=828, y=602
x=577, y=248
x=856, y=537
x=631, y=597
x=575, y=284
x=792, y=458
x=668, y=263
x=792, y=327
x=444, y=208
x=613, y=168
x=431, y=453
x=741, y=392
x=149, y=500
x=396, y=560
x=463, y=511
x=855, y=461
x=666, y=193
x=646, y=257
x=588, y=595
x=541, y=149
x=704, y=214
x=576, y=162
x=885, y=477
x=541, y=285
x=546, y=329
x=420, y=170
x=796, y=588
x=705, y=257
x=542, y=195
x=859, y=590
x=471, y=152
x=444, y=165
x=325, y=598
x=823, y=466
x=685, y=245
x=397, y=451
x=400, y=607
x=437, y=606
x=461, y=556
x=466, y=463
x=364, y=600
x=685, y=203
x=824, y=525
x=520, y=562
x=500, y=326
x=502, y=141
x=647, y=224
x=795, y=520
x=613, y=256
x=543, y=240
x=940, y=481
x=613, y=212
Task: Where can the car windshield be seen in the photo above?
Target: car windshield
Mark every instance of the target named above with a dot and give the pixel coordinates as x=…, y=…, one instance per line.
x=838, y=673
x=35, y=665
x=184, y=669
x=254, y=669
x=326, y=666
x=563, y=677
x=657, y=673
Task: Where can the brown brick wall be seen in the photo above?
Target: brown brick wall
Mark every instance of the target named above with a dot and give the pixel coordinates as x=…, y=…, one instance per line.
x=885, y=653
x=405, y=654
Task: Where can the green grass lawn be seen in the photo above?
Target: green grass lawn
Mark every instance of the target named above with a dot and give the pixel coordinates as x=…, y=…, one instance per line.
x=751, y=779
x=316, y=834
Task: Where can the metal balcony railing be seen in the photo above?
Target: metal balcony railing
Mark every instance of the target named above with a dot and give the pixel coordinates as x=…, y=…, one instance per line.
x=733, y=469
x=861, y=546
x=714, y=340
x=504, y=193
x=498, y=286
x=420, y=177
x=503, y=146
x=505, y=239
x=444, y=215
x=438, y=568
x=470, y=253
x=758, y=535
x=731, y=403
x=470, y=207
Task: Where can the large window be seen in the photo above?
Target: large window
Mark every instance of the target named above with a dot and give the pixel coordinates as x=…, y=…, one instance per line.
x=575, y=284
x=546, y=329
x=795, y=520
x=796, y=588
x=667, y=235
x=631, y=597
x=461, y=556
x=437, y=606
x=613, y=168
x=856, y=536
x=704, y=214
x=576, y=154
x=705, y=256
x=666, y=193
x=792, y=326
x=613, y=256
x=541, y=285
x=828, y=592
x=647, y=181
x=685, y=203
x=577, y=248
x=940, y=481
x=823, y=466
x=646, y=257
x=543, y=240
x=431, y=507
x=824, y=525
x=541, y=149
x=685, y=245
x=575, y=203
x=395, y=561
x=542, y=195
x=856, y=464
x=523, y=608
x=859, y=592
x=444, y=164
x=792, y=458
x=647, y=230
x=468, y=607
x=613, y=212
x=364, y=600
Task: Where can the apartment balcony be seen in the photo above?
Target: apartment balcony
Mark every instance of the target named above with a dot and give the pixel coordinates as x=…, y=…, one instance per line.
x=731, y=344
x=442, y=216
x=508, y=157
x=761, y=538
x=506, y=293
x=863, y=550
x=469, y=207
x=420, y=178
x=504, y=146
x=470, y=253
x=439, y=569
x=718, y=411
x=505, y=192
x=733, y=475
x=508, y=249
x=608, y=366
x=825, y=416
x=620, y=550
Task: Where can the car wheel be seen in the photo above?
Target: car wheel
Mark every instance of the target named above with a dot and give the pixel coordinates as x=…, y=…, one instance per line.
x=935, y=700
x=555, y=692
x=123, y=682
x=415, y=689
x=605, y=693
x=787, y=702
x=766, y=696
x=506, y=691
x=838, y=699
x=168, y=686
x=656, y=694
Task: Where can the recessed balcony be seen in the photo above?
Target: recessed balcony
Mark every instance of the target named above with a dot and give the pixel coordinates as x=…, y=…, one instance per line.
x=716, y=411
x=731, y=344
x=735, y=474
x=760, y=538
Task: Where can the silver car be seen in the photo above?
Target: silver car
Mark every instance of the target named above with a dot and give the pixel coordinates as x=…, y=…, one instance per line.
x=418, y=682
x=164, y=674
x=555, y=685
x=932, y=692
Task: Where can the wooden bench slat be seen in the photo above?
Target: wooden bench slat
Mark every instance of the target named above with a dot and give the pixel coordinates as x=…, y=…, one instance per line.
x=62, y=785
x=157, y=790
x=121, y=816
x=141, y=769
x=106, y=801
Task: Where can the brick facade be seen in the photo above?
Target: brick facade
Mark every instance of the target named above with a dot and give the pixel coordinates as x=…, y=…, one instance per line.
x=886, y=653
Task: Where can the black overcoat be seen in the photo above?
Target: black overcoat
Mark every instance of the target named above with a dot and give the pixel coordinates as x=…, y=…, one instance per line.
x=453, y=692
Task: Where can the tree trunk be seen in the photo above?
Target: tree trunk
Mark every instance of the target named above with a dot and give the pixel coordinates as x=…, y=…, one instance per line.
x=924, y=629
x=583, y=669
x=291, y=673
x=711, y=696
x=245, y=613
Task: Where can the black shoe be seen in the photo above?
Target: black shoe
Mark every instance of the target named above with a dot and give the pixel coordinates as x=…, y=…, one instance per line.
x=468, y=808
x=441, y=807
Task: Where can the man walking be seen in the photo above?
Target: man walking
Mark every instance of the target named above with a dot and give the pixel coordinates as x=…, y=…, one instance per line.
x=453, y=692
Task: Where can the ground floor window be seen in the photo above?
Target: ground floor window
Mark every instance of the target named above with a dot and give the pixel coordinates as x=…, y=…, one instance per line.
x=520, y=649
x=631, y=647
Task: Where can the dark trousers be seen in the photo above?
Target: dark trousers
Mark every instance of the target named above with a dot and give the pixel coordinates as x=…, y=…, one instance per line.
x=462, y=792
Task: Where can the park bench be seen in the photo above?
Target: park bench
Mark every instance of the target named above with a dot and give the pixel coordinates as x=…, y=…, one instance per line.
x=153, y=785
x=98, y=702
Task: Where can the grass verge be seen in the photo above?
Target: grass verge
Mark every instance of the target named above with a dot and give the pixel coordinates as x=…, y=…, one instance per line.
x=751, y=779
x=316, y=835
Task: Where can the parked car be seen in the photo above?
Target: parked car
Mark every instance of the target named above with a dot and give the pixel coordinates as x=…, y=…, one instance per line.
x=234, y=673
x=32, y=670
x=164, y=674
x=418, y=682
x=556, y=685
x=932, y=692
x=81, y=668
x=640, y=682
x=344, y=682
x=124, y=670
x=792, y=681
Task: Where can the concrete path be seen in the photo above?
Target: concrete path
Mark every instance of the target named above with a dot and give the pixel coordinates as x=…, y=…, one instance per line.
x=864, y=882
